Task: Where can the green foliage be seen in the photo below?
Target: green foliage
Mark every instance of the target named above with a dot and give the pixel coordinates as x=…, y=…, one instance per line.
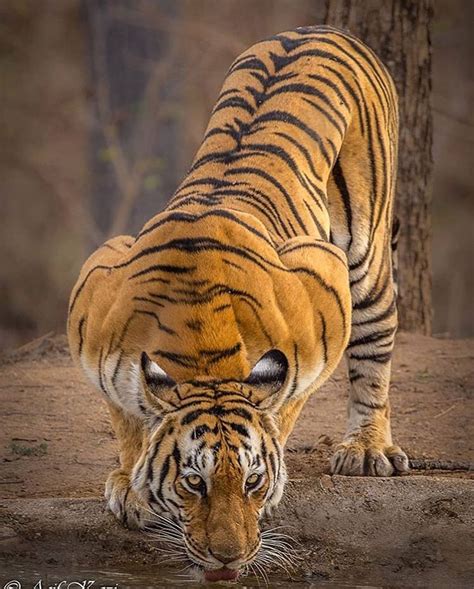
x=151, y=182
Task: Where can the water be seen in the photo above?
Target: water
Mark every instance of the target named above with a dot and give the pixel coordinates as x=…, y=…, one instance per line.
x=36, y=577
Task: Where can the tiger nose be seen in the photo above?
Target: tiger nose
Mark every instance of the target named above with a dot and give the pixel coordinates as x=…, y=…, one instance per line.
x=228, y=556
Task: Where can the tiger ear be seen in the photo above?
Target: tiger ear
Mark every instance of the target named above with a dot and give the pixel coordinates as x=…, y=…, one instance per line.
x=156, y=386
x=267, y=379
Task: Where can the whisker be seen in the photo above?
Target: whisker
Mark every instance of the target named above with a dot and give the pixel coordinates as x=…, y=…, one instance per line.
x=279, y=552
x=273, y=531
x=254, y=574
x=166, y=520
x=279, y=556
x=171, y=548
x=288, y=559
x=164, y=534
x=166, y=540
x=262, y=572
x=277, y=544
x=276, y=561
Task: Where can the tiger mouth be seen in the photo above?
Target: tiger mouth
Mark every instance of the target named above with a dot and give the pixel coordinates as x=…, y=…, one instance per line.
x=223, y=574
x=201, y=574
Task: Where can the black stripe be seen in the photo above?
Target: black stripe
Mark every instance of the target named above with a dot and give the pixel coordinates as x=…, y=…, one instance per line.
x=163, y=473
x=164, y=268
x=180, y=359
x=330, y=84
x=234, y=102
x=101, y=381
x=200, y=430
x=354, y=376
x=83, y=283
x=302, y=150
x=279, y=152
x=147, y=300
x=382, y=358
x=250, y=62
x=388, y=312
x=373, y=337
x=218, y=355
x=357, y=99
x=383, y=192
x=161, y=326
x=324, y=338
x=272, y=180
x=318, y=245
x=81, y=335
x=260, y=321
x=341, y=184
x=377, y=87
x=192, y=245
x=373, y=405
x=329, y=117
x=216, y=411
x=286, y=117
x=117, y=368
x=239, y=428
x=322, y=232
x=297, y=370
x=234, y=265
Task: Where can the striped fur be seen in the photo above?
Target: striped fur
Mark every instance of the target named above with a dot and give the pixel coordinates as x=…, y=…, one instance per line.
x=278, y=239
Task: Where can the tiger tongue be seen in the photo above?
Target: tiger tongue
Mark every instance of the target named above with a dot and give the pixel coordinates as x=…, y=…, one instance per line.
x=221, y=575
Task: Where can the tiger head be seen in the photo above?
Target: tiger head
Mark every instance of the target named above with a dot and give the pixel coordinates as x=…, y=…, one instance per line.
x=213, y=463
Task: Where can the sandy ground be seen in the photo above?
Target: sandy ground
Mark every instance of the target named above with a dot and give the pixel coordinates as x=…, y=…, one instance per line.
x=56, y=440
x=56, y=448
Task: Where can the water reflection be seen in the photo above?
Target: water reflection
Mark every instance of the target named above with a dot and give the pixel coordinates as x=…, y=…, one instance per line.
x=50, y=577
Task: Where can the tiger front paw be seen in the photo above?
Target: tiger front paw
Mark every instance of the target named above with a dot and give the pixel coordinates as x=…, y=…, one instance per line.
x=357, y=459
x=123, y=502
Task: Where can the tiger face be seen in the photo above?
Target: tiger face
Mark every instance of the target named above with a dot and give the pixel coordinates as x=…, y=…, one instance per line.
x=213, y=464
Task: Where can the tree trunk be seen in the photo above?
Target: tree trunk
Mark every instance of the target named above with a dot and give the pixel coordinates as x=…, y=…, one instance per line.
x=399, y=32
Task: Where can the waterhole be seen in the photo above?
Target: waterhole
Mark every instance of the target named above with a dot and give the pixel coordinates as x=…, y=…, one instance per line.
x=36, y=577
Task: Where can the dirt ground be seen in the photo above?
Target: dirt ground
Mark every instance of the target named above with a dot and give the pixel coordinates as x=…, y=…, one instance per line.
x=56, y=440
x=56, y=448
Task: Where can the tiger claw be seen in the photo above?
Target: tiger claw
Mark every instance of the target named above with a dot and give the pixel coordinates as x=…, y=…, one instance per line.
x=353, y=459
x=123, y=502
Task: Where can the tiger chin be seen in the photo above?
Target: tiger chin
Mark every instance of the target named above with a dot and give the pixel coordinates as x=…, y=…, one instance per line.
x=208, y=331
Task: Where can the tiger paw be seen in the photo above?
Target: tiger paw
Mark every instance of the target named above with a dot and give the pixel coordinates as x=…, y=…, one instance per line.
x=356, y=459
x=123, y=501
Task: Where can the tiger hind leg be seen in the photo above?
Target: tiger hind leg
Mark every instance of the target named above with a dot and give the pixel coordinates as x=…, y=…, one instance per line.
x=367, y=448
x=122, y=500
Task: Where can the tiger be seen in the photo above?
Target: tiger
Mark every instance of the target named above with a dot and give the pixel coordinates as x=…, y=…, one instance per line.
x=208, y=331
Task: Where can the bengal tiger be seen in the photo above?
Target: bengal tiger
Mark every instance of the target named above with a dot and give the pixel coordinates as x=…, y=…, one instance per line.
x=208, y=331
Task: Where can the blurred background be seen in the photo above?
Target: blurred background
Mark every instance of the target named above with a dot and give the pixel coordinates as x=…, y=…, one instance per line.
x=104, y=103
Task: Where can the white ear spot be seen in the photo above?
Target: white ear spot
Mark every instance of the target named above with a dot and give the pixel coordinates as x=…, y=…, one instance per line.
x=270, y=371
x=155, y=371
x=155, y=376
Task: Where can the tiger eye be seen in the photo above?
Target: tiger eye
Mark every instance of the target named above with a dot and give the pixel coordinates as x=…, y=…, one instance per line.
x=253, y=479
x=194, y=480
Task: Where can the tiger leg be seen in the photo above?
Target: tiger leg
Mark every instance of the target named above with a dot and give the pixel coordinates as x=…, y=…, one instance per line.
x=367, y=448
x=288, y=415
x=122, y=500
